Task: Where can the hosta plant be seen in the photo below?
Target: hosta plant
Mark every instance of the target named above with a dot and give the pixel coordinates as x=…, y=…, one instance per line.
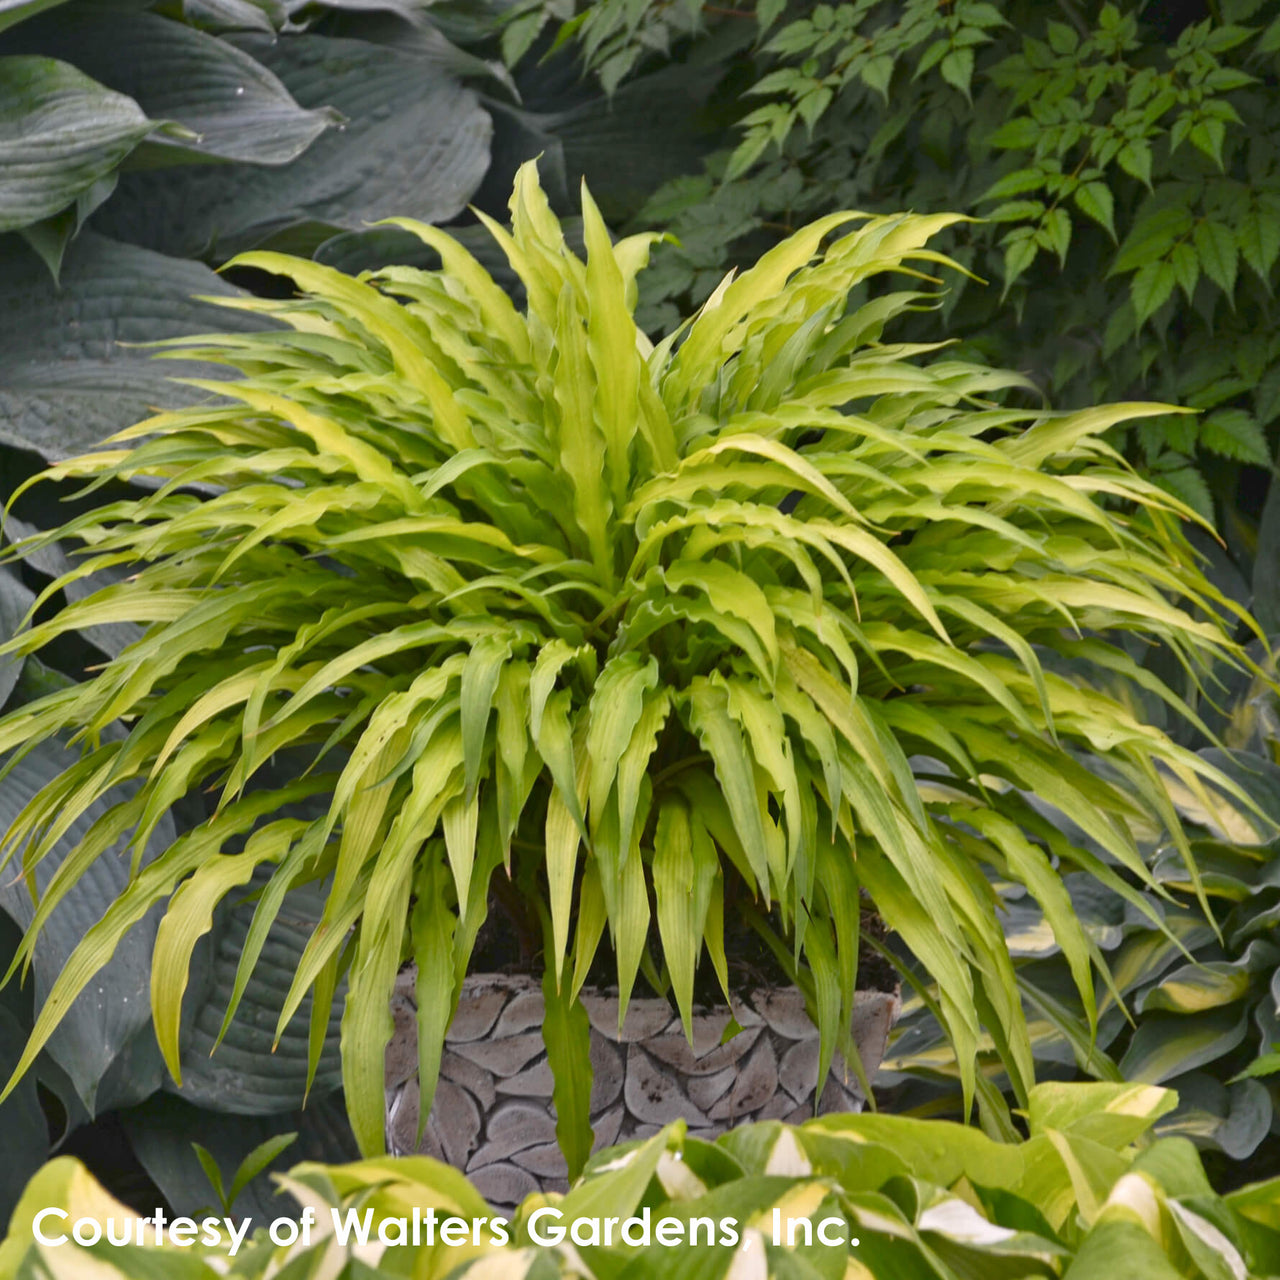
x=1199, y=1013
x=771, y=618
x=1086, y=1196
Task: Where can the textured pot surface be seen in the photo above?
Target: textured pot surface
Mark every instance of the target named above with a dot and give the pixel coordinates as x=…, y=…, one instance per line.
x=493, y=1116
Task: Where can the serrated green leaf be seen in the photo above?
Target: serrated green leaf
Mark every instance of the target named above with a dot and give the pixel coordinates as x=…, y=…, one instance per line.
x=1216, y=245
x=1134, y=157
x=1233, y=433
x=1056, y=228
x=1020, y=133
x=1151, y=288
x=1186, y=267
x=1269, y=40
x=1208, y=136
x=1018, y=257
x=1259, y=239
x=957, y=69
x=1152, y=237
x=1014, y=184
x=1095, y=200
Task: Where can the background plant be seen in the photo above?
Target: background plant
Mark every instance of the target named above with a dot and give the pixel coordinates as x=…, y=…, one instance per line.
x=1202, y=1003
x=1085, y=1193
x=1124, y=157
x=195, y=131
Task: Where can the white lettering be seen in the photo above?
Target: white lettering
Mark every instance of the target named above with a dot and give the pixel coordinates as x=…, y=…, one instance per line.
x=285, y=1227
x=344, y=1227
x=85, y=1224
x=807, y=1224
x=125, y=1236
x=554, y=1235
x=585, y=1231
x=393, y=1231
x=183, y=1232
x=670, y=1232
x=38, y=1231
x=237, y=1237
x=643, y=1223
x=822, y=1231
x=453, y=1232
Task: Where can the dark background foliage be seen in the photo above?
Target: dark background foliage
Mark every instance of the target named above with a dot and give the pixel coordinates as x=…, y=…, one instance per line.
x=1125, y=158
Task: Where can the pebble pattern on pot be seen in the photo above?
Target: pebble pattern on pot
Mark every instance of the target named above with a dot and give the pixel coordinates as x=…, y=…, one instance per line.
x=493, y=1116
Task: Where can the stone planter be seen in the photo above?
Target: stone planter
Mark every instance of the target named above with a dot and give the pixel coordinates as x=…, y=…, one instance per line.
x=493, y=1117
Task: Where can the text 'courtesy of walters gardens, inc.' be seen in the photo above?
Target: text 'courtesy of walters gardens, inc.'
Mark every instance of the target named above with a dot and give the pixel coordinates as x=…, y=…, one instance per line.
x=545, y=1226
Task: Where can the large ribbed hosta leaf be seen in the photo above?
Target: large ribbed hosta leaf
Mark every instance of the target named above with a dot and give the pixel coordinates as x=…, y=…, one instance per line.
x=26, y=1136
x=15, y=11
x=246, y=1072
x=60, y=132
x=230, y=107
x=104, y=1020
x=161, y=1132
x=66, y=378
x=415, y=142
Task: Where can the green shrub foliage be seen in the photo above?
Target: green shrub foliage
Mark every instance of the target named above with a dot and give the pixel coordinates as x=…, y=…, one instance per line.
x=1128, y=173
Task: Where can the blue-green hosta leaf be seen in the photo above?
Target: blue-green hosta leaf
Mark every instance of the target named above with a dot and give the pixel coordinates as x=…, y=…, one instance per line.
x=162, y=1129
x=66, y=382
x=1233, y=1118
x=26, y=1135
x=15, y=600
x=232, y=15
x=415, y=143
x=60, y=132
x=114, y=1009
x=50, y=237
x=244, y=1074
x=1196, y=987
x=1230, y=818
x=650, y=130
x=15, y=11
x=229, y=106
x=1168, y=1044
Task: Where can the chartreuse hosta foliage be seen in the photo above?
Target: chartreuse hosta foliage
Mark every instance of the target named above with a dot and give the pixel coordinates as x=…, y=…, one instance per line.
x=771, y=611
x=1202, y=1004
x=1086, y=1196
